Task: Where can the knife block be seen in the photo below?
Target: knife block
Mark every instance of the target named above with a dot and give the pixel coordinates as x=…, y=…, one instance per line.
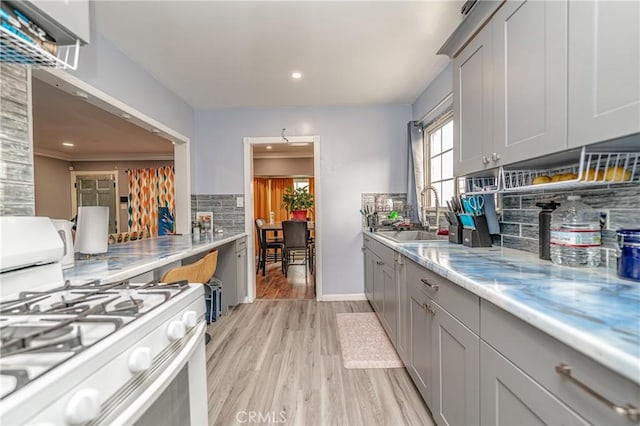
x=478, y=237
x=455, y=234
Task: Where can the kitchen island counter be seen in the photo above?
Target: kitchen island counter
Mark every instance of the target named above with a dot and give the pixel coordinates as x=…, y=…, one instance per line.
x=591, y=310
x=127, y=260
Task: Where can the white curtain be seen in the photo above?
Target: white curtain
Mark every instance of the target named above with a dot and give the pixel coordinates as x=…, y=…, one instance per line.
x=415, y=178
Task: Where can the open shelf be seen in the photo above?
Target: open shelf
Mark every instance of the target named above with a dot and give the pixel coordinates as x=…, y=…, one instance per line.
x=479, y=185
x=18, y=51
x=593, y=169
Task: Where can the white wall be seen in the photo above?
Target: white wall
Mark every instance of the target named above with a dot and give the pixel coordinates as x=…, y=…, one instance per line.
x=437, y=90
x=363, y=149
x=52, y=187
x=106, y=68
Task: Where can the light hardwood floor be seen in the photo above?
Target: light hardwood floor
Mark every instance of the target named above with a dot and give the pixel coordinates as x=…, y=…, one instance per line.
x=282, y=360
x=299, y=283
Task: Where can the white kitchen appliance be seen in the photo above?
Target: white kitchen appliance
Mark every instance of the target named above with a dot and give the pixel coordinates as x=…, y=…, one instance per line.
x=92, y=231
x=64, y=231
x=93, y=353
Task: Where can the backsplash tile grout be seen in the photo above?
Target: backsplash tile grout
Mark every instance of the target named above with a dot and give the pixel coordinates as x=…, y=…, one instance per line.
x=519, y=222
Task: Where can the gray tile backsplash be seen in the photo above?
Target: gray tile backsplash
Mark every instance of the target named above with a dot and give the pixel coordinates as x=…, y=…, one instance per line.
x=226, y=214
x=16, y=156
x=519, y=225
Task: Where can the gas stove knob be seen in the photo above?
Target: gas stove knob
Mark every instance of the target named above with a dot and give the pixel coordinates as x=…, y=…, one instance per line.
x=175, y=330
x=83, y=407
x=139, y=360
x=190, y=319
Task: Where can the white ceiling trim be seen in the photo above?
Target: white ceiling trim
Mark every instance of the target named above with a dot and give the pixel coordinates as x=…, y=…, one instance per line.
x=43, y=152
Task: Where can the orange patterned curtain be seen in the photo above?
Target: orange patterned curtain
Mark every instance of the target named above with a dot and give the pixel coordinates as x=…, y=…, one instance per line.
x=278, y=186
x=312, y=191
x=260, y=202
x=148, y=190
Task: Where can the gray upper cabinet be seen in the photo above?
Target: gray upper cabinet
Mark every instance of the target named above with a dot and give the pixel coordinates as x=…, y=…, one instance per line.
x=473, y=104
x=604, y=70
x=65, y=20
x=509, y=397
x=530, y=80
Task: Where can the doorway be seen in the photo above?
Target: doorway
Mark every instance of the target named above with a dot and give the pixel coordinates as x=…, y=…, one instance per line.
x=96, y=189
x=301, y=281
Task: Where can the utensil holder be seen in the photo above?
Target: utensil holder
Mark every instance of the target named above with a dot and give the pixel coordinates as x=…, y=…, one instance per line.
x=455, y=234
x=478, y=237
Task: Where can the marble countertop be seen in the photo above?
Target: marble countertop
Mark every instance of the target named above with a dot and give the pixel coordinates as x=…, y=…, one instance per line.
x=126, y=260
x=590, y=310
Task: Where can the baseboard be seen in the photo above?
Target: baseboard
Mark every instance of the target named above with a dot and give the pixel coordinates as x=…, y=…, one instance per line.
x=342, y=297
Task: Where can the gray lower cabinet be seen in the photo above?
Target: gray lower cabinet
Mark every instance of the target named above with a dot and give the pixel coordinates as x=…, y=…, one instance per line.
x=474, y=363
x=369, y=267
x=389, y=300
x=241, y=270
x=420, y=326
x=381, y=285
x=455, y=358
x=508, y=396
x=402, y=330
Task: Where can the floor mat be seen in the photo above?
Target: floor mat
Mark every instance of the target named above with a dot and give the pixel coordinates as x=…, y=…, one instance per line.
x=364, y=342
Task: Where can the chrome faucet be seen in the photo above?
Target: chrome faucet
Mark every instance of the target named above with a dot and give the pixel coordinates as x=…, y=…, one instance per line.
x=424, y=208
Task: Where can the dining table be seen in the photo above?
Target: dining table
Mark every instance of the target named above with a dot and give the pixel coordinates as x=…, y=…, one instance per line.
x=275, y=229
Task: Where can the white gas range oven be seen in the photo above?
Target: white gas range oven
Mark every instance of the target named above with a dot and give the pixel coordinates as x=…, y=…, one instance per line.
x=117, y=353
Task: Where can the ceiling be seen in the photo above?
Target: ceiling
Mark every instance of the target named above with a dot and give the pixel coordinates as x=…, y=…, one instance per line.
x=221, y=54
x=97, y=134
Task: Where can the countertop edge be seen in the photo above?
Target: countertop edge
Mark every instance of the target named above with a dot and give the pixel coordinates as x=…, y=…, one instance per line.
x=133, y=271
x=612, y=358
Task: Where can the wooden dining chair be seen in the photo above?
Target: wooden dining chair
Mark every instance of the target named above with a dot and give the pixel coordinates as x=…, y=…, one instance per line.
x=268, y=249
x=295, y=242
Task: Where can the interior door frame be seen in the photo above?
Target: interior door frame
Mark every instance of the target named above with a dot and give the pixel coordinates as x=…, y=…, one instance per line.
x=74, y=200
x=249, y=142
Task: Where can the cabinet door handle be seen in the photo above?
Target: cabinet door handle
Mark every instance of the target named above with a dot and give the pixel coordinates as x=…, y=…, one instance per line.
x=428, y=284
x=485, y=160
x=628, y=410
x=379, y=262
x=495, y=157
x=429, y=309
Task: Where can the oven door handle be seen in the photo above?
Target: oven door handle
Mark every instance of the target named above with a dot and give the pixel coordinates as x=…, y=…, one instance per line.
x=122, y=409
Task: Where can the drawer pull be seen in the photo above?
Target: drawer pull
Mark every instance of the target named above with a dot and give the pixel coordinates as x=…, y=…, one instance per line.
x=428, y=284
x=429, y=309
x=628, y=410
x=379, y=262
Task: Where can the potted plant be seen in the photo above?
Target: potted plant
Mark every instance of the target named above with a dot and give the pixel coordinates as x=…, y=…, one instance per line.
x=297, y=201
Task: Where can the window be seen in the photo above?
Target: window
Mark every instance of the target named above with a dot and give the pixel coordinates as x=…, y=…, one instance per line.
x=300, y=183
x=439, y=159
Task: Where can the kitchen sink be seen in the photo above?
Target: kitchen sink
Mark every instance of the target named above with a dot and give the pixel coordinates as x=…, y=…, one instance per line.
x=411, y=236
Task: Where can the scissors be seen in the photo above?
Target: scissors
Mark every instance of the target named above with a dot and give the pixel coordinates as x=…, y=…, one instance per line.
x=476, y=204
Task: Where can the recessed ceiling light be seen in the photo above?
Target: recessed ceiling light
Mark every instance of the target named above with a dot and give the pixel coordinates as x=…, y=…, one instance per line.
x=68, y=144
x=296, y=75
x=269, y=146
x=173, y=142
